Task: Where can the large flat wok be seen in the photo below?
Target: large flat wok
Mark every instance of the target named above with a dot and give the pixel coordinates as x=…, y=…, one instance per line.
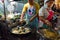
x=20, y=30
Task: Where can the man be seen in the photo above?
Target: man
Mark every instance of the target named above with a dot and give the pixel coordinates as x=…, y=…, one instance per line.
x=56, y=6
x=56, y=9
x=31, y=10
x=46, y=14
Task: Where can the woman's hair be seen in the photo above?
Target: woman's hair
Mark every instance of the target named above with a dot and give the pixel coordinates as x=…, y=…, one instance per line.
x=49, y=1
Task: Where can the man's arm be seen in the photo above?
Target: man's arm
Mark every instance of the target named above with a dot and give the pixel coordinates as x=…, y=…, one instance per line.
x=22, y=15
x=23, y=12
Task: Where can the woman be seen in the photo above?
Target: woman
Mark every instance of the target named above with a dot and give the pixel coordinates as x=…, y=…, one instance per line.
x=46, y=14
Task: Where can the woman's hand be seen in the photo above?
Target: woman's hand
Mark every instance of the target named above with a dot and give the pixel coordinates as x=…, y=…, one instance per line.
x=48, y=23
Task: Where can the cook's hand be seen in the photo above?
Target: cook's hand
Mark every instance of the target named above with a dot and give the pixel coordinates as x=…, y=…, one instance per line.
x=48, y=23
x=21, y=21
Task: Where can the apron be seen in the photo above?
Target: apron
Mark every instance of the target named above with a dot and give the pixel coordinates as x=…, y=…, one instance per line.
x=50, y=16
x=31, y=11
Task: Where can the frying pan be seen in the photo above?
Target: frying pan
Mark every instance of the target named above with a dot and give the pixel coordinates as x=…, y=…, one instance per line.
x=25, y=26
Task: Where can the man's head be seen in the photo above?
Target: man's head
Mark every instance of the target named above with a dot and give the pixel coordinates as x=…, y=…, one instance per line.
x=30, y=1
x=49, y=2
x=57, y=3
